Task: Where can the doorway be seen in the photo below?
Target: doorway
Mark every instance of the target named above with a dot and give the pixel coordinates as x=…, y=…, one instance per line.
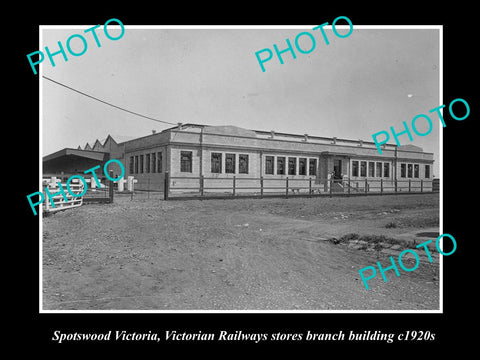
x=337, y=169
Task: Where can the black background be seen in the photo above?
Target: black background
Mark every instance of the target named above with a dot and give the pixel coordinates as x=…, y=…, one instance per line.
x=27, y=329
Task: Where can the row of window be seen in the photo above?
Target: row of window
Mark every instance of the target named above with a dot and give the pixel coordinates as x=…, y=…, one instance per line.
x=230, y=163
x=379, y=169
x=146, y=163
x=375, y=168
x=216, y=163
x=413, y=170
x=289, y=166
x=284, y=165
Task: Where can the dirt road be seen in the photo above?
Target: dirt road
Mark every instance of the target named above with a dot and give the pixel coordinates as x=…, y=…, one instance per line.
x=247, y=254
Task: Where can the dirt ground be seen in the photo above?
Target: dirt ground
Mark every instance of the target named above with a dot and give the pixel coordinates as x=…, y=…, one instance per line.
x=245, y=254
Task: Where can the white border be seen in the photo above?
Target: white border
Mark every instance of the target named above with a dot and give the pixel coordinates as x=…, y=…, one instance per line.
x=243, y=27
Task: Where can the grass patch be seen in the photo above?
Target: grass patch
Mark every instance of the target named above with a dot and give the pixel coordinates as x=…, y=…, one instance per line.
x=376, y=242
x=372, y=239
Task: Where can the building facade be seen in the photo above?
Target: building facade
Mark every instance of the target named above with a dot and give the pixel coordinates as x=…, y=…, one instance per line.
x=188, y=152
x=220, y=154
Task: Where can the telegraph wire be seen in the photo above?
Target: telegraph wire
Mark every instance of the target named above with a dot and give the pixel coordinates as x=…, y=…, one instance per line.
x=107, y=103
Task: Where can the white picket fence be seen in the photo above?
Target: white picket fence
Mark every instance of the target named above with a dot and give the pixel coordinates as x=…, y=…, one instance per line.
x=76, y=187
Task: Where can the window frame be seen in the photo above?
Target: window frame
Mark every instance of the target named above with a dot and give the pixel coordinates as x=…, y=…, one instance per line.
x=386, y=169
x=131, y=166
x=188, y=161
x=371, y=169
x=363, y=168
x=292, y=170
x=281, y=165
x=160, y=161
x=302, y=168
x=427, y=172
x=243, y=169
x=355, y=168
x=216, y=159
x=378, y=169
x=314, y=163
x=230, y=169
x=147, y=163
x=269, y=165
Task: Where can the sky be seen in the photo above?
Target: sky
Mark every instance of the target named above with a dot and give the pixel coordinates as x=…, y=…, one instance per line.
x=351, y=88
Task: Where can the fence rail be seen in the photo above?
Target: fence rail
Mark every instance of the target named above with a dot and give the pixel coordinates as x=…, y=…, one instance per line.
x=228, y=187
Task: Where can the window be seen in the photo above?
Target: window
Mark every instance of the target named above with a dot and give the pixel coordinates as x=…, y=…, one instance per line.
x=216, y=163
x=403, y=170
x=243, y=164
x=302, y=166
x=427, y=171
x=379, y=169
x=386, y=169
x=154, y=163
x=409, y=170
x=185, y=161
x=132, y=162
x=363, y=168
x=354, y=168
x=136, y=164
x=280, y=166
x=147, y=163
x=269, y=165
x=416, y=170
x=230, y=163
x=160, y=162
x=312, y=171
x=141, y=164
x=292, y=166
x=371, y=169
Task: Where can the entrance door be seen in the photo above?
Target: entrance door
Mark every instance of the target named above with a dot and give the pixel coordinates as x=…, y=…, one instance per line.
x=337, y=169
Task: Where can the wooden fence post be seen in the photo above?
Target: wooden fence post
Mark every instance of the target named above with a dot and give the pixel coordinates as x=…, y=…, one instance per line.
x=381, y=186
x=349, y=186
x=421, y=185
x=234, y=184
x=310, y=186
x=166, y=186
x=331, y=186
x=261, y=186
x=110, y=187
x=396, y=186
x=286, y=187
x=409, y=185
x=202, y=185
x=366, y=186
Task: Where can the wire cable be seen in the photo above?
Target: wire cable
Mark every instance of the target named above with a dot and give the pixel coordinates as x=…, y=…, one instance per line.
x=107, y=103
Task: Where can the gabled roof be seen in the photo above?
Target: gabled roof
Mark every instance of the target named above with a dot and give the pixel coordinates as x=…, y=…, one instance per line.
x=89, y=154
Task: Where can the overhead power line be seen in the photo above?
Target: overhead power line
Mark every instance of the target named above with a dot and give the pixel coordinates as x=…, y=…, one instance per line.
x=107, y=103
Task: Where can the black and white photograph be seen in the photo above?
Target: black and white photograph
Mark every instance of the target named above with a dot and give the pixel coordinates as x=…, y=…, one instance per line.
x=242, y=189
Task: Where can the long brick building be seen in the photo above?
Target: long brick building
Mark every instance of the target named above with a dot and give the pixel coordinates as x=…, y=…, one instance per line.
x=188, y=152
